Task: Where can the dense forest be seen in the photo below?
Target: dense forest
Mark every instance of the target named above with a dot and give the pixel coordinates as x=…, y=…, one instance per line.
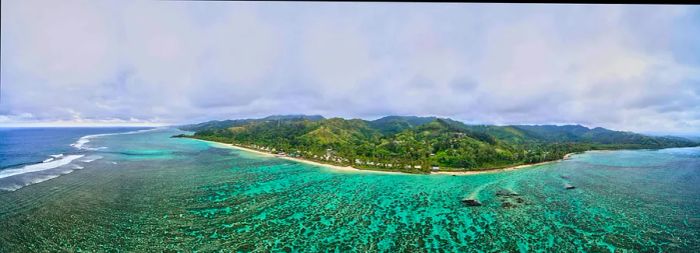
x=419, y=144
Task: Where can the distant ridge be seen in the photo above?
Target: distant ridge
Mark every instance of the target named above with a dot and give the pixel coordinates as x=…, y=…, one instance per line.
x=294, y=117
x=214, y=124
x=395, y=124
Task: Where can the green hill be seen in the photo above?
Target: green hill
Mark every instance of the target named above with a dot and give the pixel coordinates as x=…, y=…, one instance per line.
x=394, y=124
x=417, y=144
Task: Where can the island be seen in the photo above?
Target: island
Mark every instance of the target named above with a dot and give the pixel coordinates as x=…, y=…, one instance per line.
x=413, y=144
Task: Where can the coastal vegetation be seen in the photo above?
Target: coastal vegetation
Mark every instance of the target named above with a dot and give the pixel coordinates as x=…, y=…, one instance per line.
x=419, y=144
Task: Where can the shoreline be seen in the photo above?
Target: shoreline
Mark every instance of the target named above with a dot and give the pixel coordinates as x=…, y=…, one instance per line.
x=331, y=166
x=510, y=168
x=353, y=169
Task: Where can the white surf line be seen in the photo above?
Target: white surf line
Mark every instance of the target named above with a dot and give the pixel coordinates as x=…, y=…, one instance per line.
x=90, y=158
x=39, y=166
x=80, y=143
x=52, y=157
x=14, y=187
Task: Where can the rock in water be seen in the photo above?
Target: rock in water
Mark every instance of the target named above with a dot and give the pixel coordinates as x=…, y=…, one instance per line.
x=507, y=205
x=471, y=202
x=569, y=187
x=506, y=193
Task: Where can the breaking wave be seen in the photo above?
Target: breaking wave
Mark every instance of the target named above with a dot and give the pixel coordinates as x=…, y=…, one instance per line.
x=90, y=158
x=55, y=165
x=13, y=179
x=39, y=166
x=80, y=143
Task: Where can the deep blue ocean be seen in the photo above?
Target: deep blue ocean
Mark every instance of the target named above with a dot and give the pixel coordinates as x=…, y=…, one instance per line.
x=40, y=151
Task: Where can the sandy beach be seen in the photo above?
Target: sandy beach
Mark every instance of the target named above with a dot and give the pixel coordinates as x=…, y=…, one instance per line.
x=353, y=169
x=331, y=166
x=463, y=173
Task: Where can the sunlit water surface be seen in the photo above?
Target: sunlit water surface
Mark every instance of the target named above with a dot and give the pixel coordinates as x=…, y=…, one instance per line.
x=149, y=192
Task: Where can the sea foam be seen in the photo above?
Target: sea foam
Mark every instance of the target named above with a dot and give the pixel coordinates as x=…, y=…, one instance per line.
x=80, y=143
x=16, y=184
x=90, y=158
x=39, y=166
x=52, y=157
x=54, y=166
x=13, y=179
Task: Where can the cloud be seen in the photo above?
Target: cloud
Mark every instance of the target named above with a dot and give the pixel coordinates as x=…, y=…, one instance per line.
x=624, y=67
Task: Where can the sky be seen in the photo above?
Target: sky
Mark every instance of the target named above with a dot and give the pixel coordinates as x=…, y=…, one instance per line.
x=624, y=67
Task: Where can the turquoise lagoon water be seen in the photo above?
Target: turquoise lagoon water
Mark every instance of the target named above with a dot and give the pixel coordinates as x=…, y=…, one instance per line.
x=149, y=192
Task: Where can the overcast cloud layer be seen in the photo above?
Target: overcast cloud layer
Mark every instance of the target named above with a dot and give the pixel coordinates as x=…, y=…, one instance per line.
x=623, y=67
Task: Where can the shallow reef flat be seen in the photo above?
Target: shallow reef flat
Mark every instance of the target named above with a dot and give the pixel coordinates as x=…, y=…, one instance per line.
x=152, y=193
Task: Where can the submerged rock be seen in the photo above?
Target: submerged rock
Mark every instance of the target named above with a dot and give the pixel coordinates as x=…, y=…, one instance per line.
x=507, y=205
x=471, y=202
x=506, y=193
